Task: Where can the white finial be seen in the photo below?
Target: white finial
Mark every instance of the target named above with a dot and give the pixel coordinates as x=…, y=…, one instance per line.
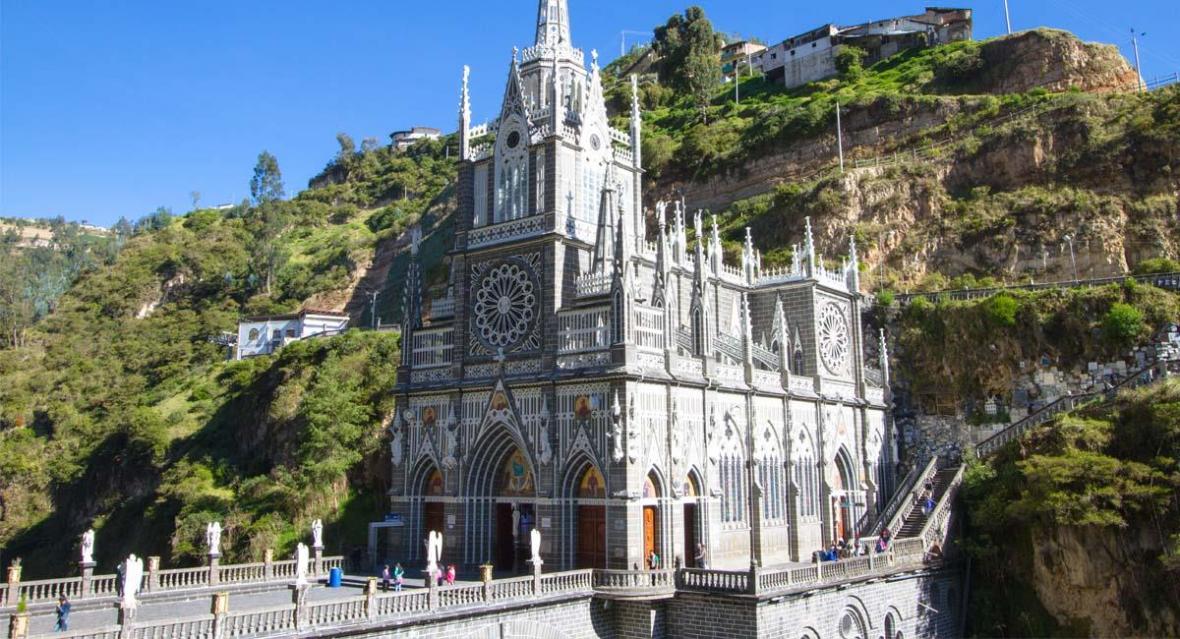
x=594, y=57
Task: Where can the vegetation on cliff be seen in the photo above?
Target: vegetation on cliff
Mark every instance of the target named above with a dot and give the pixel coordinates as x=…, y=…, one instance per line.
x=120, y=410
x=974, y=349
x=1103, y=482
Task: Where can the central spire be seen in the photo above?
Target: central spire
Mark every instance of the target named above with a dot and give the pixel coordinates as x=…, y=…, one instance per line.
x=553, y=23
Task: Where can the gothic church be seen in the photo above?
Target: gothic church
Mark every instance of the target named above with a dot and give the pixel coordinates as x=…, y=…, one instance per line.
x=617, y=386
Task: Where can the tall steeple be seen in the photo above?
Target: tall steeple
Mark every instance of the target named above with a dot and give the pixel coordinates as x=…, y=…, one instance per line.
x=553, y=23
x=465, y=117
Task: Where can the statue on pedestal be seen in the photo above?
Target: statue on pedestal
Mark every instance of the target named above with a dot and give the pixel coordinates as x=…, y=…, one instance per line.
x=535, y=546
x=317, y=534
x=213, y=538
x=132, y=580
x=88, y=547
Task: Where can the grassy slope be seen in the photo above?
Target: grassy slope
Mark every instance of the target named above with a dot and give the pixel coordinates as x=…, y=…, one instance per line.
x=138, y=425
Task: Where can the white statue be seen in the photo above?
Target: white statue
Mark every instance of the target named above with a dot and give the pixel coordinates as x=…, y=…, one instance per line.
x=317, y=534
x=301, y=561
x=132, y=580
x=450, y=445
x=213, y=538
x=515, y=521
x=434, y=542
x=535, y=545
x=395, y=446
x=88, y=547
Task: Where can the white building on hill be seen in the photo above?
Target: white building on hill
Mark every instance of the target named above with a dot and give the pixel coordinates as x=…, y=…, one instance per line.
x=265, y=335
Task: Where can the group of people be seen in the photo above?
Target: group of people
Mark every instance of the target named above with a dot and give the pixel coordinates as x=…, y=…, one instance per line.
x=842, y=549
x=927, y=498
x=397, y=577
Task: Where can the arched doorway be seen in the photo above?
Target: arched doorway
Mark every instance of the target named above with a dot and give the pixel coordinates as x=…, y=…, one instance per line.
x=591, y=517
x=433, y=508
x=842, y=488
x=651, y=519
x=692, y=536
x=514, y=518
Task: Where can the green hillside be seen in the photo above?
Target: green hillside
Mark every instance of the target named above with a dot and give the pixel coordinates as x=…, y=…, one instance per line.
x=121, y=411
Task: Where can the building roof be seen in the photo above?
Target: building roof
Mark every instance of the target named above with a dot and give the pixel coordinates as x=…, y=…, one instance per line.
x=299, y=315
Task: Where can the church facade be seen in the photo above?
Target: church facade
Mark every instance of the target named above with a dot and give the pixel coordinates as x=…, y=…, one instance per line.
x=592, y=373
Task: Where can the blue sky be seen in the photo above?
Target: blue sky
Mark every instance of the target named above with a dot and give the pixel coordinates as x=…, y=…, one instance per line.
x=115, y=107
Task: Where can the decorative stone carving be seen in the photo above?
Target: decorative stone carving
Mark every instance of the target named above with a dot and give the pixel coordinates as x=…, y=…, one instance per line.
x=616, y=414
x=317, y=534
x=834, y=340
x=213, y=538
x=88, y=547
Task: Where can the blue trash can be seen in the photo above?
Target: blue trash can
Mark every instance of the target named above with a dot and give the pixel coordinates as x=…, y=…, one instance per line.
x=335, y=577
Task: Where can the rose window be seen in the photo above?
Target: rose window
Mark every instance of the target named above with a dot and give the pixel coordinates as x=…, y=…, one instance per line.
x=505, y=305
x=833, y=339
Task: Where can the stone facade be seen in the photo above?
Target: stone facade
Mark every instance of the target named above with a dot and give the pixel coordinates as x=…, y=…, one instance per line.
x=624, y=395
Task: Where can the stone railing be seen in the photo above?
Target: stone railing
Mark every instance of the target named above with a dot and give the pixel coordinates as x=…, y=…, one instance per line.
x=906, y=496
x=904, y=488
x=91, y=586
x=506, y=231
x=371, y=610
x=623, y=584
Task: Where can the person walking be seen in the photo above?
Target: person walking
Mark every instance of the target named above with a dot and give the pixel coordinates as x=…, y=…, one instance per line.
x=385, y=578
x=653, y=560
x=63, y=614
x=399, y=577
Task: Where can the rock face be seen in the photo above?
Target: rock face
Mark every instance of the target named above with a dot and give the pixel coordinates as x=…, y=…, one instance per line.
x=1103, y=578
x=1053, y=60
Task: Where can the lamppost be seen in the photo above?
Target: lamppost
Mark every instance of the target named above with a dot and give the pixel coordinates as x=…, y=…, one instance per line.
x=1072, y=259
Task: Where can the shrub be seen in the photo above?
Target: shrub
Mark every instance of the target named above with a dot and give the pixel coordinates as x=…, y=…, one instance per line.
x=885, y=299
x=1001, y=309
x=1122, y=323
x=1157, y=265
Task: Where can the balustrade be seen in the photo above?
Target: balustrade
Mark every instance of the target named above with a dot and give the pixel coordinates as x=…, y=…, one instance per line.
x=403, y=603
x=260, y=622
x=460, y=595
x=336, y=612
x=200, y=627
x=432, y=348
x=592, y=284
x=48, y=590
x=184, y=578
x=239, y=573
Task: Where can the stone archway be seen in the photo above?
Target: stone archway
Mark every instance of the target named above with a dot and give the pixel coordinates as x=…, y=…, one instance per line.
x=692, y=518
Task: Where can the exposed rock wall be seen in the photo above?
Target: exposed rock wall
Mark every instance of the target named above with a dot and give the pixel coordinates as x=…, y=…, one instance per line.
x=1104, y=577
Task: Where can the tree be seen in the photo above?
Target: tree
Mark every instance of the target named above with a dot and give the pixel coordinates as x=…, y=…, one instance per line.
x=850, y=61
x=270, y=253
x=689, y=51
x=347, y=148
x=1122, y=323
x=195, y=196
x=368, y=145
x=267, y=183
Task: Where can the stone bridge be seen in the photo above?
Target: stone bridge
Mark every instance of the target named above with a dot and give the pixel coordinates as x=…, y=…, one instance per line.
x=913, y=589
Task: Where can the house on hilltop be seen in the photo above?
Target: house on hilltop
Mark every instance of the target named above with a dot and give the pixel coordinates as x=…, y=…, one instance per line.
x=811, y=56
x=403, y=140
x=265, y=335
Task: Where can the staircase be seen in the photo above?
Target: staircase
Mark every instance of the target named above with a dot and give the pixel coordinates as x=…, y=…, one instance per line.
x=1142, y=377
x=915, y=519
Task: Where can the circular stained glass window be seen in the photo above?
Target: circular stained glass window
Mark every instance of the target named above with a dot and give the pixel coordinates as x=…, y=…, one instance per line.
x=505, y=305
x=833, y=339
x=513, y=139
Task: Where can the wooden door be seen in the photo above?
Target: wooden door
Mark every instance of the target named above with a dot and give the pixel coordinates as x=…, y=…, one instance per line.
x=841, y=515
x=649, y=533
x=591, y=537
x=690, y=535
